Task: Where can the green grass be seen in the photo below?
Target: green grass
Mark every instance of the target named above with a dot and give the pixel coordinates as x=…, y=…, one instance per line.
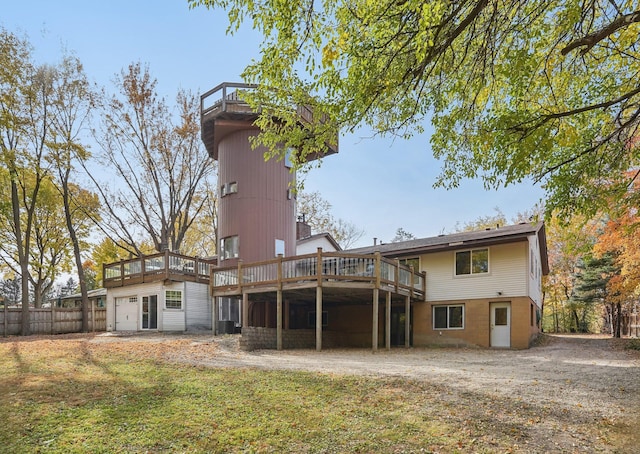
x=72, y=396
x=65, y=399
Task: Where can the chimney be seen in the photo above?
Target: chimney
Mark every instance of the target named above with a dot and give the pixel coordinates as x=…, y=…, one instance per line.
x=375, y=241
x=303, y=230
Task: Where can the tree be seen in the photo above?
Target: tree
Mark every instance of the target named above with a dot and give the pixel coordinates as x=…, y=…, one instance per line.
x=591, y=288
x=10, y=291
x=402, y=235
x=567, y=242
x=25, y=121
x=160, y=164
x=484, y=222
x=317, y=213
x=201, y=238
x=515, y=89
x=620, y=239
x=72, y=104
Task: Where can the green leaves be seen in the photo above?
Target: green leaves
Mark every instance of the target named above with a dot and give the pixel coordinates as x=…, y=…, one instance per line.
x=516, y=89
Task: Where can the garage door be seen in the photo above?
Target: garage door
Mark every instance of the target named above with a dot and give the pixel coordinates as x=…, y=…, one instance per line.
x=127, y=314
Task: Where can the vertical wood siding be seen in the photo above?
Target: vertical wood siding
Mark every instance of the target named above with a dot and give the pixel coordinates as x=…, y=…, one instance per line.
x=260, y=212
x=198, y=306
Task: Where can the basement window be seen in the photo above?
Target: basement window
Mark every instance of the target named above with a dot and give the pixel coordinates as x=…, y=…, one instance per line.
x=448, y=317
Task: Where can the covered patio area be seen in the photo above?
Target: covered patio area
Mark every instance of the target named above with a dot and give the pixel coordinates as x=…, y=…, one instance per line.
x=323, y=300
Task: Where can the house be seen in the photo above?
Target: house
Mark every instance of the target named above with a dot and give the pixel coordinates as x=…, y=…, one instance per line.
x=478, y=288
x=483, y=288
x=286, y=288
x=163, y=292
x=96, y=298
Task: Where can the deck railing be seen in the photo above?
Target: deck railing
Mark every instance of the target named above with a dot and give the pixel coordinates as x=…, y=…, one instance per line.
x=222, y=96
x=320, y=267
x=160, y=266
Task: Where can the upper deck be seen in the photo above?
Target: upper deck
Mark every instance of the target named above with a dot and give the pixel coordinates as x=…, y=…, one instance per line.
x=223, y=111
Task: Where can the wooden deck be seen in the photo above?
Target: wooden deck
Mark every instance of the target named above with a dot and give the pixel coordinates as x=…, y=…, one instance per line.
x=167, y=266
x=322, y=269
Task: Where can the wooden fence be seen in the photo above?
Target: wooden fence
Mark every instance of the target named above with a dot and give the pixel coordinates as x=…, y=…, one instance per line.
x=51, y=320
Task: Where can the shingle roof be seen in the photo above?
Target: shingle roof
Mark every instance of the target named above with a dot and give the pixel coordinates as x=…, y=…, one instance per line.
x=503, y=234
x=326, y=235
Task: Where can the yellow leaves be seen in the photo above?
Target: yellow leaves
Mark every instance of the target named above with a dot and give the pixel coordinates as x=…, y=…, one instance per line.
x=329, y=54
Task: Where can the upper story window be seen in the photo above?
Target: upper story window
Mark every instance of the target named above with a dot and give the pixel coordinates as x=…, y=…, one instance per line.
x=288, y=157
x=229, y=247
x=229, y=188
x=411, y=262
x=475, y=261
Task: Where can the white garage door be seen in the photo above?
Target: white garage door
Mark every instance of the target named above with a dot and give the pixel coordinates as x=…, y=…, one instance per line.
x=127, y=314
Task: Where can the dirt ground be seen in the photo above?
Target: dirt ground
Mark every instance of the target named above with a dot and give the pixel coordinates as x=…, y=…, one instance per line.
x=558, y=389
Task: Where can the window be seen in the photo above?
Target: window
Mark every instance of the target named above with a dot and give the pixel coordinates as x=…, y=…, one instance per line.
x=288, y=157
x=475, y=261
x=279, y=247
x=229, y=309
x=448, y=317
x=173, y=299
x=229, y=188
x=229, y=247
x=412, y=262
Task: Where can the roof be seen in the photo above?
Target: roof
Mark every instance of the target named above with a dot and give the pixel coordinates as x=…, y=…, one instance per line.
x=95, y=293
x=464, y=240
x=326, y=235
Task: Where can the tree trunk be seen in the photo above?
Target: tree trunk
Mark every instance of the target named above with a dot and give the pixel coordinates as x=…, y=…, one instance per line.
x=618, y=319
x=76, y=250
x=576, y=319
x=23, y=259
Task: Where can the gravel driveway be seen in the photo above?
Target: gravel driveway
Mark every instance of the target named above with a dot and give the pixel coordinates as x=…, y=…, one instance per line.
x=559, y=388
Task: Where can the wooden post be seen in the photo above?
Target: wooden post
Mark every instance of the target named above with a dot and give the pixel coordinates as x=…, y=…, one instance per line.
x=53, y=318
x=407, y=321
x=245, y=310
x=279, y=319
x=374, y=325
x=6, y=315
x=279, y=306
x=319, y=317
x=319, y=300
x=93, y=315
x=387, y=326
x=214, y=315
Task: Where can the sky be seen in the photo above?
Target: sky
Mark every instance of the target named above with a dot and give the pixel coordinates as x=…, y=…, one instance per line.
x=378, y=184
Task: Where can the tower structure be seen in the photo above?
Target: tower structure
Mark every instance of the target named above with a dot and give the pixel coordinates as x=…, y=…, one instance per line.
x=256, y=206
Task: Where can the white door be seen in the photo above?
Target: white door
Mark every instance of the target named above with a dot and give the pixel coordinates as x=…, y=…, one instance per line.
x=500, y=324
x=127, y=314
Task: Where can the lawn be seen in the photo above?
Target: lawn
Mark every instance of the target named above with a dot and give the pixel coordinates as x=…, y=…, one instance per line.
x=72, y=395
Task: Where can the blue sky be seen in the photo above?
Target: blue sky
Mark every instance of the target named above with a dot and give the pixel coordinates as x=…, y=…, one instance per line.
x=378, y=184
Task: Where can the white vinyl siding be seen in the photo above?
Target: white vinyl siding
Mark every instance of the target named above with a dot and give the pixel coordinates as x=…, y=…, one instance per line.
x=139, y=291
x=198, y=310
x=508, y=265
x=174, y=319
x=535, y=271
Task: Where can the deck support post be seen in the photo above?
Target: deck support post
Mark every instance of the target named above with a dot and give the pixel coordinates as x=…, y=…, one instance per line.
x=245, y=309
x=407, y=321
x=374, y=327
x=279, y=306
x=387, y=322
x=279, y=319
x=214, y=315
x=319, y=318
